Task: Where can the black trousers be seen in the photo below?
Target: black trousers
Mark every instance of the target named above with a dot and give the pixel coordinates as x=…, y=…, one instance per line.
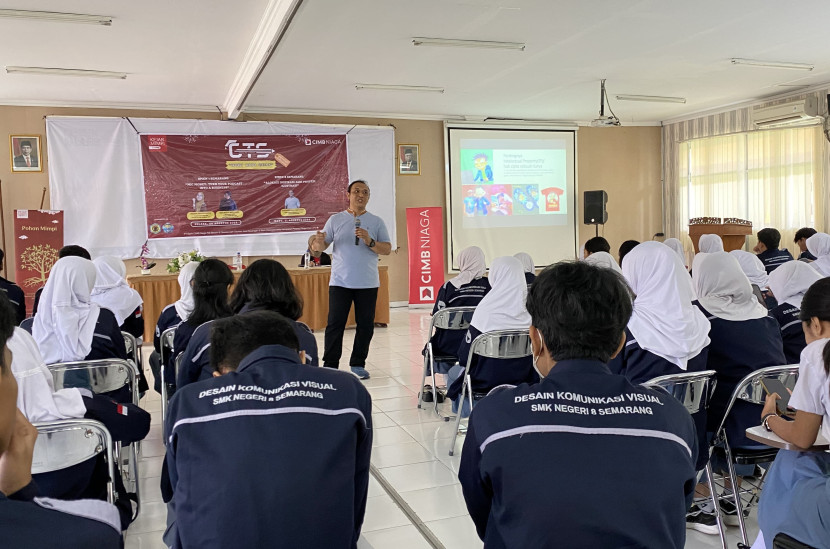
x=340, y=302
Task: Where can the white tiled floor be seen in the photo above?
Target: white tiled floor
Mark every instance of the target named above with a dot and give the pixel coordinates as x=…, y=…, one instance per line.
x=409, y=450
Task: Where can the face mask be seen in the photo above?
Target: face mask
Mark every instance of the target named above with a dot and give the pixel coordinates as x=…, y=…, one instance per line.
x=536, y=358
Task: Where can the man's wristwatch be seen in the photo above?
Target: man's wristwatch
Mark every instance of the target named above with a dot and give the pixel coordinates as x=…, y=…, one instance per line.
x=372, y=243
x=765, y=421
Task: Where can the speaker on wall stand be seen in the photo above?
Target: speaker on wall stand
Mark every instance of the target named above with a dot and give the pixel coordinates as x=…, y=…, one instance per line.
x=594, y=212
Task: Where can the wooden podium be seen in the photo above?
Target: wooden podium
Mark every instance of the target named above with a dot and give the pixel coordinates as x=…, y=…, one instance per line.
x=733, y=234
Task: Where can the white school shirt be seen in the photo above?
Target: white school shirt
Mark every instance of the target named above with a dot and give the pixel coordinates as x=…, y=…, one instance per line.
x=812, y=390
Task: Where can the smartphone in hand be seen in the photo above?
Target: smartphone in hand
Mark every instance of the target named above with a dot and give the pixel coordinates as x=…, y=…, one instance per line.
x=775, y=386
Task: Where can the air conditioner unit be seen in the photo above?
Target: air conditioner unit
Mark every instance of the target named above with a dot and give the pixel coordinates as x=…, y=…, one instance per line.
x=792, y=113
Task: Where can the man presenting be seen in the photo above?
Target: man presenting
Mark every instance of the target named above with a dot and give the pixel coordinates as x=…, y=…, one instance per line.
x=358, y=237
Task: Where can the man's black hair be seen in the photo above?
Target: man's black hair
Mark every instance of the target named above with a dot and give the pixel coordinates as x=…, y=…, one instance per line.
x=73, y=250
x=803, y=232
x=352, y=184
x=597, y=244
x=266, y=284
x=235, y=337
x=626, y=247
x=770, y=237
x=7, y=324
x=580, y=310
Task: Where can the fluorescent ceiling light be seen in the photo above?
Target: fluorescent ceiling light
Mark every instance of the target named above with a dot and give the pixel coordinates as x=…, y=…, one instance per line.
x=392, y=87
x=468, y=43
x=773, y=64
x=651, y=98
x=66, y=72
x=58, y=16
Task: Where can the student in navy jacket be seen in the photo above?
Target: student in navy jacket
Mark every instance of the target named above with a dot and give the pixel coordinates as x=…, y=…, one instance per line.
x=211, y=281
x=801, y=236
x=465, y=290
x=503, y=308
x=789, y=283
x=286, y=444
x=529, y=266
x=767, y=249
x=25, y=520
x=532, y=452
x=15, y=294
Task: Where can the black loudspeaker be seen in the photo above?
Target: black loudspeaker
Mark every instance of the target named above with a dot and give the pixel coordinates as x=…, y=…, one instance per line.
x=595, y=202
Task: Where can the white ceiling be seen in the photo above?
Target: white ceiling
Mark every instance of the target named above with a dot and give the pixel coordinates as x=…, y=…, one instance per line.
x=188, y=53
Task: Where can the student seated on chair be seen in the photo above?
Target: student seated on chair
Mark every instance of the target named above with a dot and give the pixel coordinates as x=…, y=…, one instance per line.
x=15, y=294
x=529, y=266
x=66, y=251
x=277, y=454
x=710, y=243
x=594, y=245
x=171, y=316
x=467, y=289
x=788, y=283
x=503, y=308
x=796, y=496
x=210, y=282
x=627, y=246
x=530, y=462
x=819, y=246
x=25, y=519
x=603, y=259
x=801, y=236
x=767, y=249
x=754, y=270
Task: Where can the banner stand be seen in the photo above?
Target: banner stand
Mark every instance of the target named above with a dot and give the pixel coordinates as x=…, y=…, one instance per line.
x=425, y=238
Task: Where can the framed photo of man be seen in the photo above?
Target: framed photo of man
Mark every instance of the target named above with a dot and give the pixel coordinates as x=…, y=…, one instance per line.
x=25, y=152
x=409, y=157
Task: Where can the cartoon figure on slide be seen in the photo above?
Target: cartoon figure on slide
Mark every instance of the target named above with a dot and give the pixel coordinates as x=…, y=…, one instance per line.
x=484, y=173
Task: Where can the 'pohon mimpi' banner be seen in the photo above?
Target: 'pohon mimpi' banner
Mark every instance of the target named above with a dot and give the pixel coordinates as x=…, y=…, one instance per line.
x=38, y=235
x=206, y=185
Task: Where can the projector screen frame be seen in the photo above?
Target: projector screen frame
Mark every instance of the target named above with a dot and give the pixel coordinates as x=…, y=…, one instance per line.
x=483, y=125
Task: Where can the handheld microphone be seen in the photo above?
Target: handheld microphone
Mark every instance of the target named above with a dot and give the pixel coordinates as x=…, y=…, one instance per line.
x=356, y=226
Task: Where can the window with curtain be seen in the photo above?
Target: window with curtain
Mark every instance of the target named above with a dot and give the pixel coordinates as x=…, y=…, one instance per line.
x=771, y=178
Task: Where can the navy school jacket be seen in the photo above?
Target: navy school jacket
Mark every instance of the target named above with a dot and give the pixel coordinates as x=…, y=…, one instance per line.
x=16, y=298
x=487, y=373
x=582, y=459
x=276, y=445
x=772, y=259
x=107, y=341
x=134, y=324
x=446, y=342
x=792, y=332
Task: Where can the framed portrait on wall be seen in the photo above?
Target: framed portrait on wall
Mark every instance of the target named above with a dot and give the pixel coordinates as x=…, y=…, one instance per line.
x=25, y=152
x=409, y=157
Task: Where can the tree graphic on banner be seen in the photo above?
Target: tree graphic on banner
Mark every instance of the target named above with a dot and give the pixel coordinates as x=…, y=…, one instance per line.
x=38, y=258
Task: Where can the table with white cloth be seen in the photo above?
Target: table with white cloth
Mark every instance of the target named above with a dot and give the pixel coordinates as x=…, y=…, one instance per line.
x=160, y=290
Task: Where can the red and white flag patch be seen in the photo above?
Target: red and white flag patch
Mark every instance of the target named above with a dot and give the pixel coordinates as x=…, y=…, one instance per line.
x=122, y=410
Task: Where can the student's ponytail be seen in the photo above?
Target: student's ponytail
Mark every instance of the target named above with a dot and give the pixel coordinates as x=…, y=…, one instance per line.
x=816, y=304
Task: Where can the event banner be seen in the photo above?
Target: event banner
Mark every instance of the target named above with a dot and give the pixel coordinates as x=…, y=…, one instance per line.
x=425, y=237
x=210, y=185
x=38, y=235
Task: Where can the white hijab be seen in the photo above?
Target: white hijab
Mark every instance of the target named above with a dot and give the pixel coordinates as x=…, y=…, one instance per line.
x=184, y=306
x=752, y=267
x=819, y=246
x=677, y=246
x=503, y=308
x=664, y=321
x=710, y=243
x=603, y=259
x=66, y=315
x=471, y=265
x=36, y=394
x=724, y=290
x=111, y=289
x=790, y=281
x=527, y=262
x=581, y=254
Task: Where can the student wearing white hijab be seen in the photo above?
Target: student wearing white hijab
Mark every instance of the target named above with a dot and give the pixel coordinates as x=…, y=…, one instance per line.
x=743, y=339
x=503, y=308
x=677, y=247
x=754, y=270
x=603, y=259
x=528, y=265
x=710, y=243
x=112, y=292
x=819, y=246
x=69, y=326
x=788, y=283
x=171, y=316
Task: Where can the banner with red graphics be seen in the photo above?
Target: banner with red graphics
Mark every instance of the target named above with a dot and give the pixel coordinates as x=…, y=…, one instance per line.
x=38, y=235
x=425, y=238
x=211, y=185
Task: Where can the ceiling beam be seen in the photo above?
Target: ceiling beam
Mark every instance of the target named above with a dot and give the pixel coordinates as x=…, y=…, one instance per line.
x=275, y=21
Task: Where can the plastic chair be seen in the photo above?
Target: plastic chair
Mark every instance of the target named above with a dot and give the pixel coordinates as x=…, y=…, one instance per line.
x=450, y=318
x=503, y=344
x=694, y=391
x=165, y=351
x=749, y=389
x=67, y=442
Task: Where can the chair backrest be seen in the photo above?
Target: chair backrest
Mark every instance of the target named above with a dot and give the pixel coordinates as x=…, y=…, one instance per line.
x=27, y=324
x=501, y=344
x=166, y=347
x=131, y=345
x=99, y=376
x=452, y=318
x=758, y=294
x=64, y=443
x=749, y=389
x=692, y=389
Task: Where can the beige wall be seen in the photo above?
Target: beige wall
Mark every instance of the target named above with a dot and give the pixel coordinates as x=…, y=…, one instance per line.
x=623, y=161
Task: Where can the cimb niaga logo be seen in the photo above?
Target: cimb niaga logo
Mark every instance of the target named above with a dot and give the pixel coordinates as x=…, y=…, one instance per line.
x=427, y=293
x=322, y=141
x=248, y=150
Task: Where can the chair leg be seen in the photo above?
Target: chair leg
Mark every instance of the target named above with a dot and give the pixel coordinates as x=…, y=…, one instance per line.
x=134, y=477
x=427, y=364
x=713, y=492
x=736, y=491
x=459, y=414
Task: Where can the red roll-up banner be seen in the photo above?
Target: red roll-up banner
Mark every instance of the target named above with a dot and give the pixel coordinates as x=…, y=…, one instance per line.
x=425, y=236
x=38, y=235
